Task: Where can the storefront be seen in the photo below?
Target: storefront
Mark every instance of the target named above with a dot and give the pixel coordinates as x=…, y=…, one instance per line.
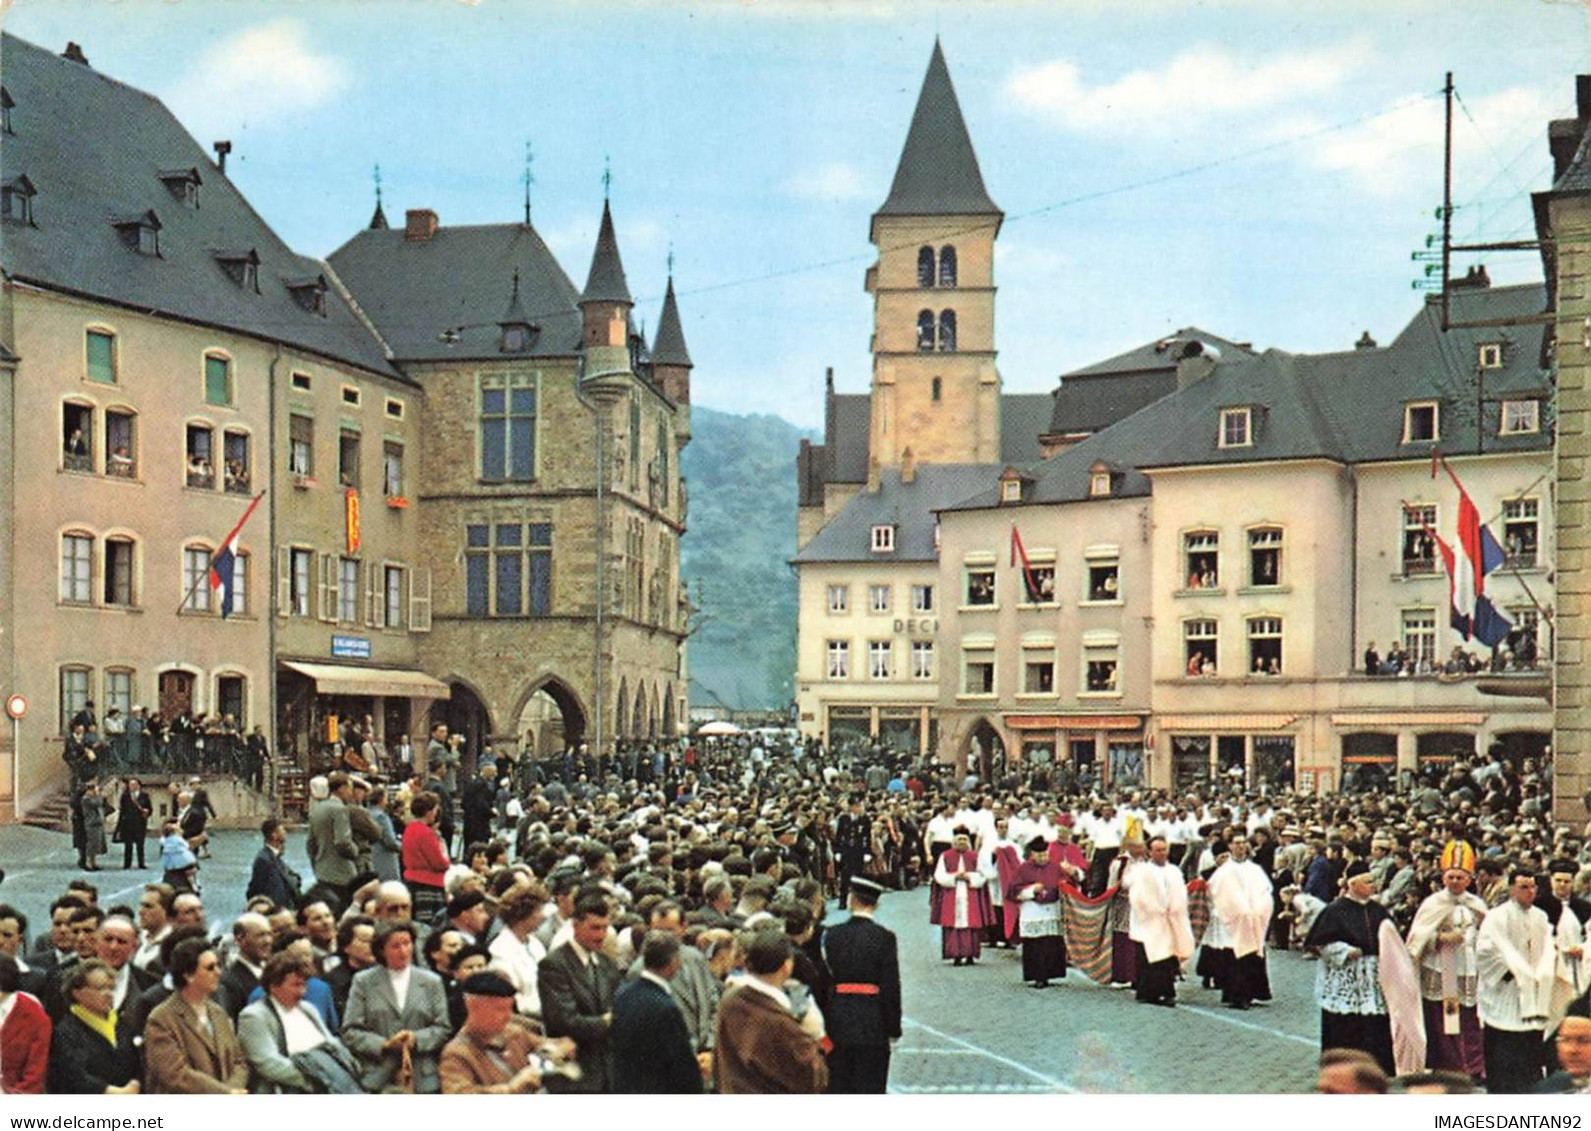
x=317, y=702
x=903, y=730
x=1100, y=749
x=1253, y=752
x=1369, y=762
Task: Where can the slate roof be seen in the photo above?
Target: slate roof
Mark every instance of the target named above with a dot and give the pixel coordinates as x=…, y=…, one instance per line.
x=1098, y=395
x=605, y=281
x=668, y=347
x=909, y=507
x=95, y=149
x=1347, y=407
x=1023, y=417
x=413, y=290
x=1576, y=177
x=938, y=174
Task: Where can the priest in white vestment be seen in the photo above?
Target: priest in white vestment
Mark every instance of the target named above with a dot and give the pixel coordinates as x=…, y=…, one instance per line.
x=1518, y=962
x=1242, y=900
x=1160, y=925
x=1442, y=941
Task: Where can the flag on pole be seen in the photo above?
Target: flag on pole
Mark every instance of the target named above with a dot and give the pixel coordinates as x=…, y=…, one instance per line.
x=1020, y=554
x=223, y=565
x=1473, y=555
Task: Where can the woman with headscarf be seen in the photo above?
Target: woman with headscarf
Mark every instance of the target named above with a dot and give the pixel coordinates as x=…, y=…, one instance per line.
x=1036, y=887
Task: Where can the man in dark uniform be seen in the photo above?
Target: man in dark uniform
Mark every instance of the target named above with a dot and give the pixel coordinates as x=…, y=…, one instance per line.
x=865, y=1016
x=851, y=835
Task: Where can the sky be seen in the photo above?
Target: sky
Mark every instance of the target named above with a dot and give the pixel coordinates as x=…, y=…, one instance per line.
x=1262, y=170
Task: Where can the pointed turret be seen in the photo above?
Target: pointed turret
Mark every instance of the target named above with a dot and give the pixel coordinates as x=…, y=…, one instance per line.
x=378, y=222
x=671, y=363
x=938, y=174
x=605, y=306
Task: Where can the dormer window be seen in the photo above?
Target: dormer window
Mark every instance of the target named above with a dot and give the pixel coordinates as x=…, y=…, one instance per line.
x=242, y=267
x=1491, y=355
x=183, y=184
x=883, y=539
x=140, y=232
x=1521, y=417
x=1099, y=484
x=1421, y=424
x=309, y=293
x=16, y=200
x=1237, y=427
x=1013, y=485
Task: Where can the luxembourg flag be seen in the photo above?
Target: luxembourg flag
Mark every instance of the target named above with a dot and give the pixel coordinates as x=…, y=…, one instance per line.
x=222, y=572
x=1475, y=554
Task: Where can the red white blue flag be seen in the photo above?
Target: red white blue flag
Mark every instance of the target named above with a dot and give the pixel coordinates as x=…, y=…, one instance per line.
x=1473, y=555
x=223, y=565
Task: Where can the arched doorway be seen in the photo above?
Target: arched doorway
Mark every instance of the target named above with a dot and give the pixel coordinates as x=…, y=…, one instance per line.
x=670, y=727
x=984, y=750
x=550, y=720
x=466, y=714
x=621, y=714
x=638, y=716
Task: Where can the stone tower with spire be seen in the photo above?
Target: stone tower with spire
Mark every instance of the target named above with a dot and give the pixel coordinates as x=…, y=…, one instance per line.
x=671, y=365
x=935, y=387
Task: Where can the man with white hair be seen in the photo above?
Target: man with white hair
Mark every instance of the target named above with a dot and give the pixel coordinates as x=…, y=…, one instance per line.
x=394, y=904
x=251, y=936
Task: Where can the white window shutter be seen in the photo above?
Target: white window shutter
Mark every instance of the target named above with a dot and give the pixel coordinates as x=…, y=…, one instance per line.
x=284, y=582
x=328, y=588
x=420, y=600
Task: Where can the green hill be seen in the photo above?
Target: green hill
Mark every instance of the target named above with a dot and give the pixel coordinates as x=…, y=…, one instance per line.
x=741, y=472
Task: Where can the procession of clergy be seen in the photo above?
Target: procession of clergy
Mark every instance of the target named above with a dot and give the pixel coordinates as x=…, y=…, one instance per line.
x=1474, y=990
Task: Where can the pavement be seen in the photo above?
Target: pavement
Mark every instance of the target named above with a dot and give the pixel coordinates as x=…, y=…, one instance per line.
x=976, y=1029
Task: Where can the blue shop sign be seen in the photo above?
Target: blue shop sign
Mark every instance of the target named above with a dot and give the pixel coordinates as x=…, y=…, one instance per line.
x=350, y=647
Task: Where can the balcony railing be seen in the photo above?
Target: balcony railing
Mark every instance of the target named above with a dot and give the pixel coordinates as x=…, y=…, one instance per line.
x=172, y=754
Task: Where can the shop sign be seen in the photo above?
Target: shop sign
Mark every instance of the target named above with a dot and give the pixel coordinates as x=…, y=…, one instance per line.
x=350, y=647
x=353, y=520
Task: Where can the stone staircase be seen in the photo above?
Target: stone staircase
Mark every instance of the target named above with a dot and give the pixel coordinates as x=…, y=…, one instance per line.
x=237, y=806
x=53, y=813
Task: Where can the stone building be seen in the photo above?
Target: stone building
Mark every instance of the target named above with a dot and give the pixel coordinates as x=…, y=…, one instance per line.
x=455, y=447
x=1563, y=222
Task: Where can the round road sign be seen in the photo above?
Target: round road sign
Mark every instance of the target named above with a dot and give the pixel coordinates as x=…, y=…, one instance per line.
x=16, y=706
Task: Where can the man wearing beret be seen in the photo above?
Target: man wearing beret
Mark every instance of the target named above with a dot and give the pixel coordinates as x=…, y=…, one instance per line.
x=496, y=1052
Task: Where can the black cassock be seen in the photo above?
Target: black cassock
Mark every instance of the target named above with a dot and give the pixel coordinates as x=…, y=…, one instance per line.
x=1358, y=924
x=865, y=1013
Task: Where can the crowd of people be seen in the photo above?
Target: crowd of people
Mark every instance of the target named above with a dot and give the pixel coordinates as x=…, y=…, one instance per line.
x=655, y=920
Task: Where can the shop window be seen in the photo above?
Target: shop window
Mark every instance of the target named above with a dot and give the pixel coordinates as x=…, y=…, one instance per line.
x=119, y=571
x=1271, y=767
x=1369, y=763
x=1265, y=645
x=121, y=444
x=199, y=455
x=880, y=660
x=1202, y=557
x=1521, y=532
x=77, y=568
x=839, y=659
x=980, y=587
x=77, y=437
x=1201, y=640
x=1190, y=762
x=1104, y=580
x=1443, y=748
x=922, y=659
x=238, y=477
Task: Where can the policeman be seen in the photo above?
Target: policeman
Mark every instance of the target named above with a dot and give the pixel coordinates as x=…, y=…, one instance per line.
x=866, y=1007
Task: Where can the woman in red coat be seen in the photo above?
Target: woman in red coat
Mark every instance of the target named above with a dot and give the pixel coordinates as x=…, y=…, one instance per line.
x=425, y=861
x=24, y=1035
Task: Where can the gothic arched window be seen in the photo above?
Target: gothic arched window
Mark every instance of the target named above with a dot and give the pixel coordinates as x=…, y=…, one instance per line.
x=947, y=266
x=947, y=331
x=925, y=329
x=925, y=267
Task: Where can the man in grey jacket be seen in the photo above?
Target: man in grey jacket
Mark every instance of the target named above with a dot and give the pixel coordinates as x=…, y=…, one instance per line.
x=332, y=852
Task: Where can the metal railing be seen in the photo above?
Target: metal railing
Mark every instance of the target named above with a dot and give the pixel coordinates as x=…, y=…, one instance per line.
x=147, y=756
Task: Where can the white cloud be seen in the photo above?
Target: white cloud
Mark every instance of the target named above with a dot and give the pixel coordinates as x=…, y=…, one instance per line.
x=1383, y=155
x=258, y=77
x=1027, y=260
x=1198, y=85
x=834, y=181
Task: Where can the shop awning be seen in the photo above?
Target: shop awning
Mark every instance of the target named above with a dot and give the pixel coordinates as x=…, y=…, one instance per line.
x=1411, y=719
x=1225, y=722
x=391, y=683
x=1074, y=722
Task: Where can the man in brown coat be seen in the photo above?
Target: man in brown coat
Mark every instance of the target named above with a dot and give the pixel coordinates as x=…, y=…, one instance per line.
x=495, y=1052
x=189, y=1045
x=761, y=1046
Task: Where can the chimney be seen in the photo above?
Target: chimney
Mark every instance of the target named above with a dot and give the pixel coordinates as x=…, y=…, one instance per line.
x=1365, y=342
x=1475, y=278
x=874, y=475
x=74, y=54
x=419, y=225
x=1195, y=362
x=908, y=466
x=1582, y=97
x=222, y=148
